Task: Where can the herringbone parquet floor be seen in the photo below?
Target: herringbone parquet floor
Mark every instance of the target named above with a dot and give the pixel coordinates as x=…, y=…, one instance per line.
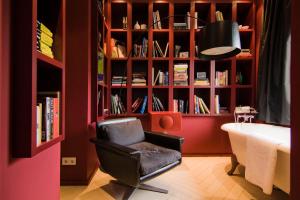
x=197, y=178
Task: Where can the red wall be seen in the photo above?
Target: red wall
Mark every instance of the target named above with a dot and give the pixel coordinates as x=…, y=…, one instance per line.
x=27, y=179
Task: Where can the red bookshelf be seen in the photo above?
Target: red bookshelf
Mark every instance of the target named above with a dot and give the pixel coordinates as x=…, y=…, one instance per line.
x=34, y=72
x=232, y=94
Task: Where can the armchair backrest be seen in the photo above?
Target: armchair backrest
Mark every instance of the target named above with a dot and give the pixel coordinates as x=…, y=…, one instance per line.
x=124, y=131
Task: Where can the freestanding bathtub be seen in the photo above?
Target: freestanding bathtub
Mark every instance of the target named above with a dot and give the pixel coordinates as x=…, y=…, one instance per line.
x=279, y=135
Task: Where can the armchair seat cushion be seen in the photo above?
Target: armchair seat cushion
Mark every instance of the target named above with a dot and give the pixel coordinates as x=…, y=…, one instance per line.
x=154, y=157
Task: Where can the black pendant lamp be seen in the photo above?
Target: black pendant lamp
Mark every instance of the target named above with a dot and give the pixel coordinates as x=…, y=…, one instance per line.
x=219, y=40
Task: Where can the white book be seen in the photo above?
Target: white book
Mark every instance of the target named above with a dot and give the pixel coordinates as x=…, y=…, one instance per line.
x=196, y=20
x=166, y=50
x=156, y=79
x=158, y=20
x=188, y=20
x=161, y=78
x=152, y=75
x=217, y=105
x=39, y=120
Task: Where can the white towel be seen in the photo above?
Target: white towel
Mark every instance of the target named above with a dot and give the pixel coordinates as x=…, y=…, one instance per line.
x=261, y=157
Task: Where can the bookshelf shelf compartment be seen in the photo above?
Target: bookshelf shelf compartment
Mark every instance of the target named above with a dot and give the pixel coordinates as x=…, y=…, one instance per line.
x=37, y=73
x=49, y=60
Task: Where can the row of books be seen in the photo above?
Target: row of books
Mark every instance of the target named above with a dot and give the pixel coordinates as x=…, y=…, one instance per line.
x=181, y=105
x=44, y=40
x=117, y=106
x=200, y=106
x=138, y=79
x=118, y=49
x=141, y=50
x=181, y=74
x=156, y=104
x=139, y=105
x=47, y=116
x=119, y=81
x=162, y=78
x=157, y=50
x=221, y=78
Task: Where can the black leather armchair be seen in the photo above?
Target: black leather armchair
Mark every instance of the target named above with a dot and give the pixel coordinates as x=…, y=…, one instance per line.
x=132, y=155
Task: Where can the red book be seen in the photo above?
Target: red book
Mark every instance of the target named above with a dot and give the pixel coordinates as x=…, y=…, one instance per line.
x=55, y=117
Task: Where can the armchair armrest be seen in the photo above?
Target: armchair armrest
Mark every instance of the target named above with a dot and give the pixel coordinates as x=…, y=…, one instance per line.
x=167, y=141
x=121, y=162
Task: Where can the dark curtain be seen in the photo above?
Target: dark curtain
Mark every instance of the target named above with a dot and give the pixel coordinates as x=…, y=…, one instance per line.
x=274, y=64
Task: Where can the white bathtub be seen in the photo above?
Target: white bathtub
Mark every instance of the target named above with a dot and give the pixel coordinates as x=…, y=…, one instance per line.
x=278, y=135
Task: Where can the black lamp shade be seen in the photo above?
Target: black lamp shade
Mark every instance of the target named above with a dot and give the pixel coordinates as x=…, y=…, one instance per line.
x=219, y=40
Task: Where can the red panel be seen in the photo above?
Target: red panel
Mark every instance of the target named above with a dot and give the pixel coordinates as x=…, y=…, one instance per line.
x=295, y=106
x=27, y=179
x=202, y=135
x=165, y=121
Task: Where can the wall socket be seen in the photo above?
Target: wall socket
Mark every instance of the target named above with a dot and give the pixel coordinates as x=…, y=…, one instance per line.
x=68, y=161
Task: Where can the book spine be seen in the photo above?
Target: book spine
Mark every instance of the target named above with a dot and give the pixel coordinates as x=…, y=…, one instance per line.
x=48, y=118
x=144, y=105
x=56, y=115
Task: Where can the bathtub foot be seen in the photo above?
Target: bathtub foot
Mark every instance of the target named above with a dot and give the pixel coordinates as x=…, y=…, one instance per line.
x=234, y=164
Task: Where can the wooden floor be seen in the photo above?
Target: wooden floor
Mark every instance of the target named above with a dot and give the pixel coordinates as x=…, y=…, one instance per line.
x=197, y=178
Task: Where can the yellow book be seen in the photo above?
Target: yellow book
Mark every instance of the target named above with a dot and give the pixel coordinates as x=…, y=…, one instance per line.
x=39, y=121
x=43, y=28
x=45, y=38
x=42, y=45
x=46, y=53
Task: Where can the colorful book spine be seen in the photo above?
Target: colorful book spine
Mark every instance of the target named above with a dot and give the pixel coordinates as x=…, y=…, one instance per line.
x=143, y=105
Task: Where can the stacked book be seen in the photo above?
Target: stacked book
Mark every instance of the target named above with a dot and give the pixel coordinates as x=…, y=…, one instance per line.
x=138, y=79
x=200, y=106
x=47, y=116
x=139, y=105
x=118, y=81
x=181, y=105
x=157, y=105
x=117, y=106
x=201, y=79
x=44, y=40
x=141, y=50
x=181, y=74
x=222, y=78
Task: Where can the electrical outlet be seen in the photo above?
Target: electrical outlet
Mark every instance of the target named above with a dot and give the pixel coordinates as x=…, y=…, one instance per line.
x=68, y=161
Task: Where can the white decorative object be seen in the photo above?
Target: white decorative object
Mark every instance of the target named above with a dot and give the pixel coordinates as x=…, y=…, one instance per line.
x=137, y=25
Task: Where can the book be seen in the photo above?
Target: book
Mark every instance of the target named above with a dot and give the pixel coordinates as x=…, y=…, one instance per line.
x=41, y=36
x=157, y=76
x=158, y=19
x=56, y=117
x=39, y=116
x=166, y=49
x=204, y=106
x=136, y=104
x=44, y=28
x=143, y=105
x=177, y=50
x=196, y=20
x=188, y=20
x=217, y=104
x=161, y=78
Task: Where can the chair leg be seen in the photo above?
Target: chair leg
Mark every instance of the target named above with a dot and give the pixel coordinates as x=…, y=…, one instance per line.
x=234, y=164
x=128, y=189
x=152, y=188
